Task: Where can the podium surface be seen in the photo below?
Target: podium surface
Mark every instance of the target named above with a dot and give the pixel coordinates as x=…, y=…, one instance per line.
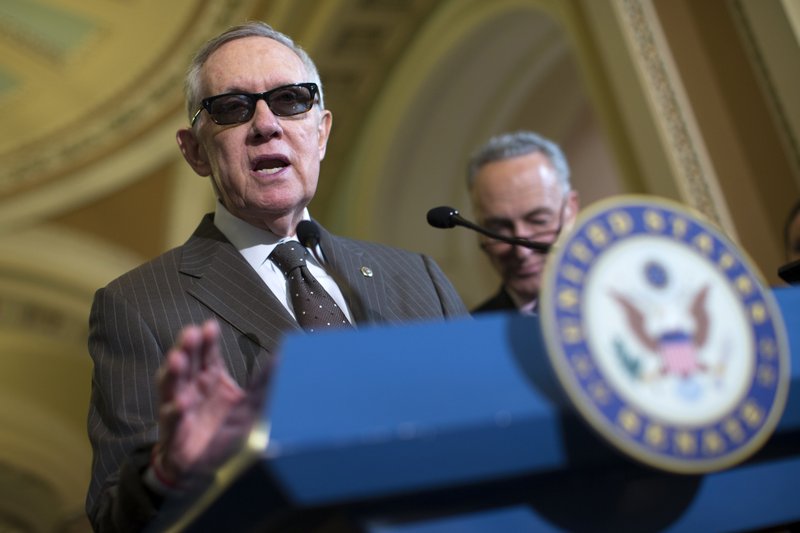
x=462, y=426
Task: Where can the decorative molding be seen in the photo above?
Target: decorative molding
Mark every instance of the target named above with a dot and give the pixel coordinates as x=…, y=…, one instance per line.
x=672, y=112
x=27, y=502
x=48, y=275
x=21, y=315
x=58, y=466
x=355, y=57
x=767, y=80
x=48, y=31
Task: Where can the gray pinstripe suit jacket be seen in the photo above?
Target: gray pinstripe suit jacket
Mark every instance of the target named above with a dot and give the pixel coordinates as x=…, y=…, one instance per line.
x=135, y=318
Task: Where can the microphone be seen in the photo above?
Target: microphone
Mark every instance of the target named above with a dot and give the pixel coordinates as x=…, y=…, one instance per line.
x=308, y=233
x=448, y=217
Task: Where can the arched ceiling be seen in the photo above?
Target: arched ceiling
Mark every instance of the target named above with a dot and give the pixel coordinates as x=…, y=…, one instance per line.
x=85, y=82
x=91, y=90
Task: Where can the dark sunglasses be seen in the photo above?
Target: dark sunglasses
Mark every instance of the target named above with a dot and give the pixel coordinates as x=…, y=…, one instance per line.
x=235, y=108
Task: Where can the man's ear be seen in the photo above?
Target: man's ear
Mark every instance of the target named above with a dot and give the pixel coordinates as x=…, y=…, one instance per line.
x=571, y=209
x=193, y=152
x=324, y=131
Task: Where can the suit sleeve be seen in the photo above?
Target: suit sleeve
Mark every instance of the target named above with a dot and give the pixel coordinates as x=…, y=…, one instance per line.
x=122, y=421
x=452, y=305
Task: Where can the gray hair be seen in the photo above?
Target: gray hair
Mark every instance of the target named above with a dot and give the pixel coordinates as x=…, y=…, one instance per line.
x=515, y=144
x=254, y=28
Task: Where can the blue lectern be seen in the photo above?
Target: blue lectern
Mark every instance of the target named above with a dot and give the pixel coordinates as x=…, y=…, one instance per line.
x=461, y=426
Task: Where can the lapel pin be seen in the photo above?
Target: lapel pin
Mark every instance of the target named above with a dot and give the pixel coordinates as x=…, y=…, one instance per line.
x=367, y=271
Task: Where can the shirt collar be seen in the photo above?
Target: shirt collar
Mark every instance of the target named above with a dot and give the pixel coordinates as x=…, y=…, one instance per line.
x=255, y=244
x=525, y=308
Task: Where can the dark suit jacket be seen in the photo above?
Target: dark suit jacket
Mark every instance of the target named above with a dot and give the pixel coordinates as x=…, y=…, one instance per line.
x=135, y=318
x=499, y=302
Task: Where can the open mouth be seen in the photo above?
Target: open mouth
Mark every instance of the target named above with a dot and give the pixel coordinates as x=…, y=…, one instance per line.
x=267, y=166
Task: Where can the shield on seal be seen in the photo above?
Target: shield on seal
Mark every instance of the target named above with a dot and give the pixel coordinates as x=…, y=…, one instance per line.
x=678, y=354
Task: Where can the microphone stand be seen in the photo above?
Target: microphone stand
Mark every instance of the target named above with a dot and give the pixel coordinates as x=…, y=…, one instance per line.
x=448, y=217
x=516, y=241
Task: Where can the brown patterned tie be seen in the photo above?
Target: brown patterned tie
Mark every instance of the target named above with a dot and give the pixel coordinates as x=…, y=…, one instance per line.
x=314, y=308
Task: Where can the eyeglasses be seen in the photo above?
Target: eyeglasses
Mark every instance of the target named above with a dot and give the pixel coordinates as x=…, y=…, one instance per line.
x=235, y=108
x=548, y=235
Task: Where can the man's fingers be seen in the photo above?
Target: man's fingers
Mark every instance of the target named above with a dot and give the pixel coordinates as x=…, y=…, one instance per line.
x=181, y=363
x=171, y=374
x=190, y=341
x=209, y=352
x=198, y=395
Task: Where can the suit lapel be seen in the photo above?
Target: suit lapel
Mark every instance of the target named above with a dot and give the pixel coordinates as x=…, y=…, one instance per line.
x=228, y=285
x=358, y=275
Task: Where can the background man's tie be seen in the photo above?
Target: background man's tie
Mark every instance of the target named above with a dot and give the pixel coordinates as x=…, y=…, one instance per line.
x=313, y=307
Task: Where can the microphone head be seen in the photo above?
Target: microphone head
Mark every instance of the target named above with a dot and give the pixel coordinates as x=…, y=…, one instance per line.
x=308, y=233
x=442, y=217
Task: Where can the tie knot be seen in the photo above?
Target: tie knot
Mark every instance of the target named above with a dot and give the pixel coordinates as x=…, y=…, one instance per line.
x=289, y=256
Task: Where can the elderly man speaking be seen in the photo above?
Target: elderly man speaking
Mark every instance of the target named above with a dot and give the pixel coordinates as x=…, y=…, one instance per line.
x=184, y=341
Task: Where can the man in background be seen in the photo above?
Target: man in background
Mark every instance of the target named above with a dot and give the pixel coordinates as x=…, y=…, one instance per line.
x=519, y=187
x=182, y=345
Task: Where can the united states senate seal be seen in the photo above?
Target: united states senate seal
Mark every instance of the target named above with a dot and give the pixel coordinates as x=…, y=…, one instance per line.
x=664, y=336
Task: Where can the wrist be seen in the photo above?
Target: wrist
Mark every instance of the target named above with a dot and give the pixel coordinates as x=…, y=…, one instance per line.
x=156, y=469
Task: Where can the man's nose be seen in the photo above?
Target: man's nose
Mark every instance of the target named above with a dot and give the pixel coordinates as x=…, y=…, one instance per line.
x=265, y=122
x=522, y=252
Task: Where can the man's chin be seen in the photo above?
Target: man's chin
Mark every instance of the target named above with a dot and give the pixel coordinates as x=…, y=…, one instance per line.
x=525, y=291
